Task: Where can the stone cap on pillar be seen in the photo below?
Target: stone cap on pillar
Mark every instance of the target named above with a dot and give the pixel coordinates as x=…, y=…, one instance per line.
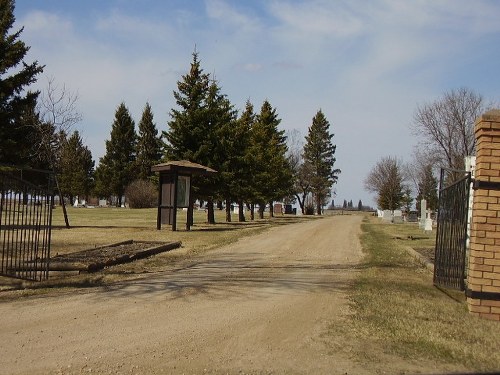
x=487, y=121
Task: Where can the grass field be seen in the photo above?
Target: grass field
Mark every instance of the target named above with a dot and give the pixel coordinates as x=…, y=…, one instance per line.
x=397, y=306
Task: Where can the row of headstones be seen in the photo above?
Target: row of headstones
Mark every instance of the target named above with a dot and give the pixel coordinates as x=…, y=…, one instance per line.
x=396, y=216
x=83, y=203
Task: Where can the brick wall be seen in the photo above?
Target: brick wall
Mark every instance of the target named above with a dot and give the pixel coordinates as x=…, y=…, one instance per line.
x=483, y=278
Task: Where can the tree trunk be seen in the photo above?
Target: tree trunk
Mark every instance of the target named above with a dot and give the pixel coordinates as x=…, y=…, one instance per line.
x=210, y=211
x=61, y=199
x=301, y=203
x=252, y=211
x=262, y=207
x=241, y=213
x=318, y=205
x=228, y=210
x=271, y=209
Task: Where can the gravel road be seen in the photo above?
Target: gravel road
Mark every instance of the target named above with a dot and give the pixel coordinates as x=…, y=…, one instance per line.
x=261, y=305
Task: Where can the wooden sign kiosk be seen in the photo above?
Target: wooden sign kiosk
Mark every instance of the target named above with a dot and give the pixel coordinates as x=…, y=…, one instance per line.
x=175, y=190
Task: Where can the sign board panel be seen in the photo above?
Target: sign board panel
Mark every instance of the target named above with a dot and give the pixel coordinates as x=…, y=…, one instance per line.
x=183, y=185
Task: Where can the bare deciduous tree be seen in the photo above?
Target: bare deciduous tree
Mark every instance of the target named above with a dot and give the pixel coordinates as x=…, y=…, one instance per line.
x=57, y=106
x=386, y=180
x=57, y=112
x=446, y=126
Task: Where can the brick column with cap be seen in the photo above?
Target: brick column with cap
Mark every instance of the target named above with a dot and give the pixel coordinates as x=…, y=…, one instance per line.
x=483, y=277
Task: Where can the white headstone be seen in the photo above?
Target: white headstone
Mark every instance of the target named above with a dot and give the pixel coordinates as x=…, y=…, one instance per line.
x=397, y=217
x=387, y=215
x=423, y=212
x=428, y=225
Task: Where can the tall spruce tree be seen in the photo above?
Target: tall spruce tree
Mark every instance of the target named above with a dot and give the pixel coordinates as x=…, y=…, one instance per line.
x=188, y=125
x=240, y=163
x=117, y=167
x=272, y=176
x=76, y=168
x=319, y=153
x=224, y=143
x=148, y=144
x=191, y=134
x=15, y=78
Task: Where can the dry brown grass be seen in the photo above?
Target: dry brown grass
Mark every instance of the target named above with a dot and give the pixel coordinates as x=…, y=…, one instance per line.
x=398, y=310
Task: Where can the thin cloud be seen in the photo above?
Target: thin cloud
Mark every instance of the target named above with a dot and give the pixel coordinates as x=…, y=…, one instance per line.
x=249, y=67
x=317, y=18
x=226, y=14
x=288, y=65
x=119, y=23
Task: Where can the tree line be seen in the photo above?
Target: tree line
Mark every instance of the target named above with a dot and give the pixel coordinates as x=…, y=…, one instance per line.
x=445, y=132
x=254, y=162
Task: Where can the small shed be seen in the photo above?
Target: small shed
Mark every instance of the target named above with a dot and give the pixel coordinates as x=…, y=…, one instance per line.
x=175, y=190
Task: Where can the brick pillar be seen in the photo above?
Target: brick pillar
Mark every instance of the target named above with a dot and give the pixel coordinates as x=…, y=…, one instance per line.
x=483, y=277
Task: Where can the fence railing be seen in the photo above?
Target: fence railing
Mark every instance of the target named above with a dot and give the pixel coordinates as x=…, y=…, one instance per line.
x=26, y=202
x=451, y=236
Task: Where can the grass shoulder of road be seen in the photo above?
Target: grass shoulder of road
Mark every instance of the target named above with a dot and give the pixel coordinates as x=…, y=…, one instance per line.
x=92, y=227
x=399, y=311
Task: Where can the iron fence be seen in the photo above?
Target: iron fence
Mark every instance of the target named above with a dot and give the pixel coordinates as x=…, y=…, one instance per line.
x=26, y=201
x=451, y=236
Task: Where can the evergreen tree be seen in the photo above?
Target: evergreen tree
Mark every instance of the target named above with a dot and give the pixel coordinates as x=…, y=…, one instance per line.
x=117, y=167
x=15, y=101
x=225, y=145
x=360, y=205
x=319, y=152
x=407, y=199
x=188, y=125
x=241, y=186
x=272, y=174
x=427, y=188
x=148, y=144
x=190, y=135
x=76, y=168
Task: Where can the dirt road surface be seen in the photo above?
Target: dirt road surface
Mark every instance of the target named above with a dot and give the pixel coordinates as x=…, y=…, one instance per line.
x=261, y=305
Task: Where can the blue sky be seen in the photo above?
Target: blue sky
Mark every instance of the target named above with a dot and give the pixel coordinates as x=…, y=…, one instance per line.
x=366, y=64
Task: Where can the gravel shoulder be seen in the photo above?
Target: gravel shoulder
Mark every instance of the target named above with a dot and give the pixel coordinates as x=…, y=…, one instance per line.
x=261, y=305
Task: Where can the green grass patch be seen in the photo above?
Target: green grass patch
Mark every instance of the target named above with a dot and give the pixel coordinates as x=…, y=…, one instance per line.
x=396, y=305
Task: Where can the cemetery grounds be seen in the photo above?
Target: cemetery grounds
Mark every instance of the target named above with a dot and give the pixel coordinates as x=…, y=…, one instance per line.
x=344, y=294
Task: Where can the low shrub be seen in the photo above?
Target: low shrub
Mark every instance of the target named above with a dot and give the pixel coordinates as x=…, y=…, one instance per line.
x=141, y=194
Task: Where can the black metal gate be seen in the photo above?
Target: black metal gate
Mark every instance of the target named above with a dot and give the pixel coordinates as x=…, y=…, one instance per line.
x=26, y=201
x=451, y=236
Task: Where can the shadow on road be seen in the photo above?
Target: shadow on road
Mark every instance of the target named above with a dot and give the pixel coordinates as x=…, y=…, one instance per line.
x=234, y=275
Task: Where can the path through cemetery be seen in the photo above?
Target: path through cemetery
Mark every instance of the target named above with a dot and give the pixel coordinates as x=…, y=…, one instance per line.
x=267, y=304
